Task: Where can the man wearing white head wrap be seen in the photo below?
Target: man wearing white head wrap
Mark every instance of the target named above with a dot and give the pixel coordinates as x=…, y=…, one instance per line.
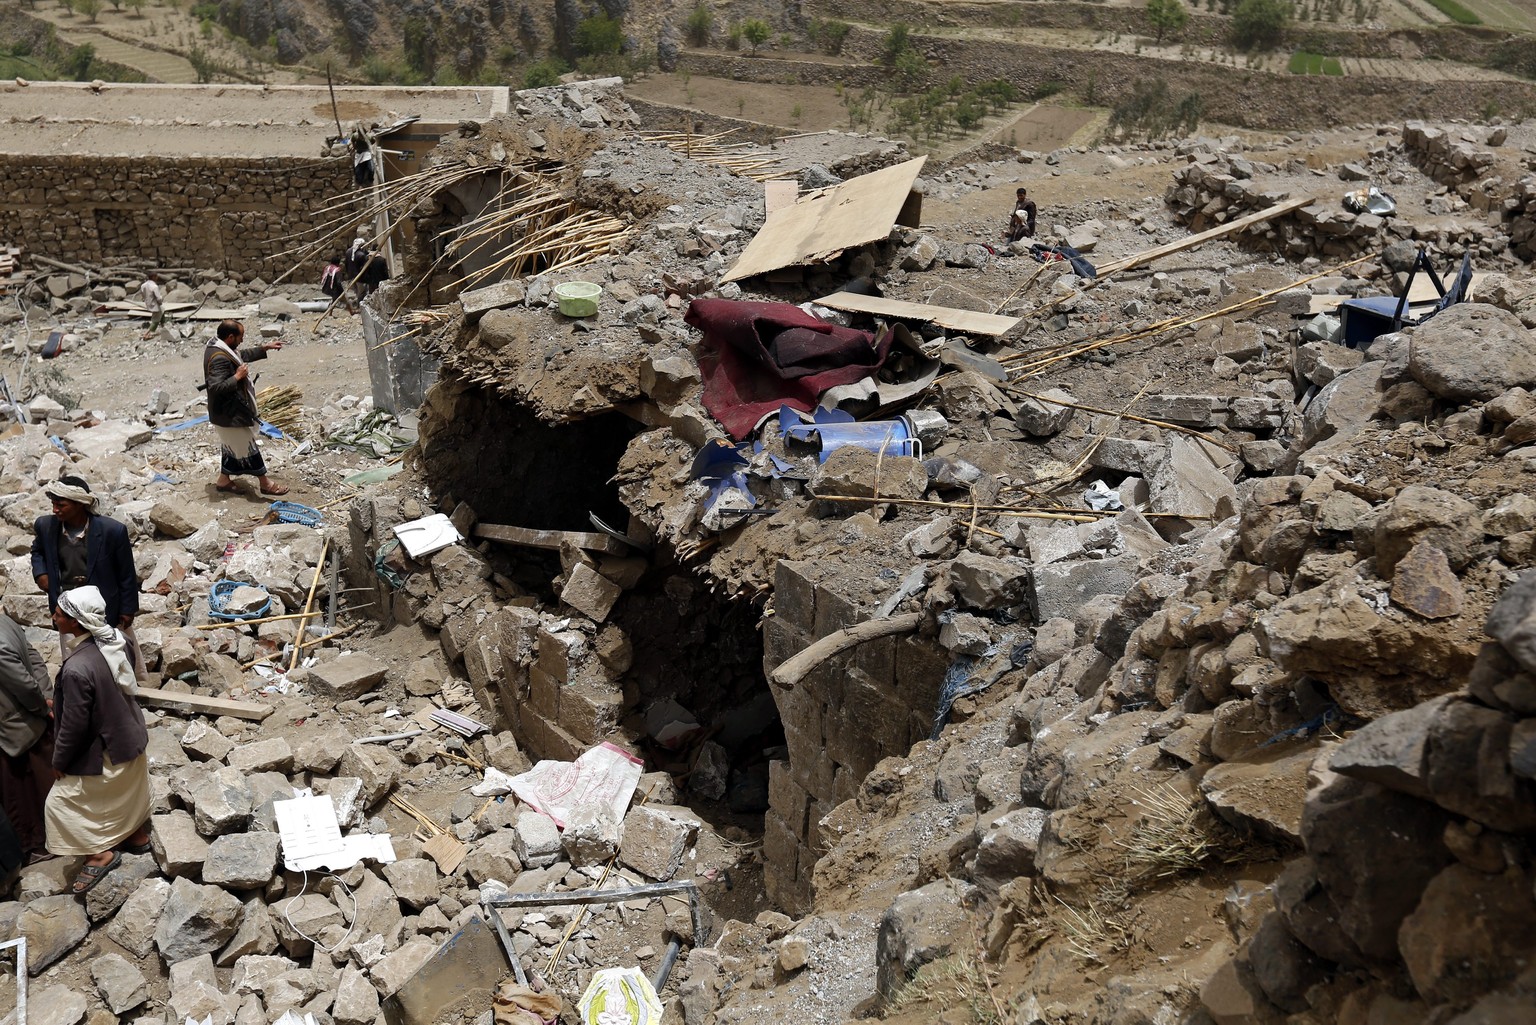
x=76, y=546
x=99, y=805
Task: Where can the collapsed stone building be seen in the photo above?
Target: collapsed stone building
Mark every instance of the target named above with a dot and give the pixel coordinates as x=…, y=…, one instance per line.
x=1240, y=735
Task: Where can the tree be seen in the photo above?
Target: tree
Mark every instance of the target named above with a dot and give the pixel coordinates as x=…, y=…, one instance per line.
x=1167, y=16
x=138, y=7
x=89, y=8
x=1258, y=24
x=79, y=60
x=757, y=32
x=897, y=42
x=699, y=25
x=204, y=64
x=599, y=36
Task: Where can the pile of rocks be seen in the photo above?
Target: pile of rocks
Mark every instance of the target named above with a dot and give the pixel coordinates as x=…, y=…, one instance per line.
x=1451, y=159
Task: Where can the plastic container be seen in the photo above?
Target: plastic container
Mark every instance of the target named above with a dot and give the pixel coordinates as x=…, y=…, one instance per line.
x=578, y=298
x=893, y=437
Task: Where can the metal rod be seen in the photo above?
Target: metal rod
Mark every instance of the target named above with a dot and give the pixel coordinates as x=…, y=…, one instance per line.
x=384, y=738
x=673, y=948
x=680, y=886
x=506, y=943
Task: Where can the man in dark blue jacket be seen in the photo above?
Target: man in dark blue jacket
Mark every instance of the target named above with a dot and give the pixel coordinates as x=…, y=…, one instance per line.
x=76, y=546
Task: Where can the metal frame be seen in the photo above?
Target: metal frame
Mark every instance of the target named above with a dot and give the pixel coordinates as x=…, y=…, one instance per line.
x=530, y=900
x=20, y=943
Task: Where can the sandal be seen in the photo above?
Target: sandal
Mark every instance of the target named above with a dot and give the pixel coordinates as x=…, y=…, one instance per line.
x=229, y=488
x=90, y=875
x=276, y=489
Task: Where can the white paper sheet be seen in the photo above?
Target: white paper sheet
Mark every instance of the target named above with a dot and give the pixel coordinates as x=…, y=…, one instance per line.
x=427, y=535
x=312, y=839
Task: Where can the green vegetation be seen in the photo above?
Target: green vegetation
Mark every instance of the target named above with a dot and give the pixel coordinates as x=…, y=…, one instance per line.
x=756, y=31
x=77, y=62
x=1167, y=16
x=599, y=36
x=203, y=63
x=829, y=36
x=90, y=8
x=897, y=42
x=938, y=111
x=1151, y=112
x=700, y=23
x=1259, y=24
x=1457, y=13
x=545, y=73
x=1304, y=62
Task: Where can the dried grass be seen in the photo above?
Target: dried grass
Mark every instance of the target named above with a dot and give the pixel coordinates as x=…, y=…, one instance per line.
x=1178, y=834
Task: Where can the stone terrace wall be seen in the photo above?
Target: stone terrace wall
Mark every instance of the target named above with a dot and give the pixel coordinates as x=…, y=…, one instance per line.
x=219, y=213
x=872, y=702
x=1233, y=95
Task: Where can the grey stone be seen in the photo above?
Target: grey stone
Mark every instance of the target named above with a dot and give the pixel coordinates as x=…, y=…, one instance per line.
x=348, y=677
x=983, y=582
x=241, y=861
x=1514, y=514
x=196, y=920
x=177, y=846
x=1422, y=583
x=257, y=934
x=1512, y=620
x=1040, y=418
x=1007, y=849
x=205, y=743
x=357, y=1002
x=414, y=881
x=493, y=857
x=376, y=766
x=396, y=968
x=1424, y=514
x=591, y=834
x=1059, y=589
x=120, y=984
x=1473, y=351
x=118, y=885
x=133, y=928
x=273, y=754
x=299, y=919
x=221, y=799
x=920, y=926
x=53, y=927
x=55, y=1005
x=655, y=839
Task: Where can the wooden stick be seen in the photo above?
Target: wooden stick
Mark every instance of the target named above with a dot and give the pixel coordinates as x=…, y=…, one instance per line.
x=1124, y=416
x=794, y=669
x=1267, y=214
x=309, y=604
x=249, y=622
x=305, y=644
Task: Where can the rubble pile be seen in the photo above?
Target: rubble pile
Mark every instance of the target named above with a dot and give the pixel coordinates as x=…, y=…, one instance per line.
x=1171, y=666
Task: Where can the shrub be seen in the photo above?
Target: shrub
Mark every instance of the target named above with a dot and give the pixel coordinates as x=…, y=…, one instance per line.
x=829, y=35
x=733, y=38
x=546, y=72
x=699, y=25
x=203, y=63
x=1151, y=113
x=1258, y=24
x=77, y=63
x=897, y=42
x=599, y=35
x=89, y=8
x=1167, y=16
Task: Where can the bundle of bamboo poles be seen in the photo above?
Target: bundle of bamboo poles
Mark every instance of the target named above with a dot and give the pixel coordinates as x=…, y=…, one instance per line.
x=279, y=406
x=737, y=157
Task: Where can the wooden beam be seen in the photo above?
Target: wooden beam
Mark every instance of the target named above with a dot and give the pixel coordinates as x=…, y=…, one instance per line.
x=1267, y=214
x=968, y=321
x=551, y=539
x=201, y=705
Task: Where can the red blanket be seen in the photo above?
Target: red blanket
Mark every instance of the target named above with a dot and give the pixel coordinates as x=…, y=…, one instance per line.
x=760, y=356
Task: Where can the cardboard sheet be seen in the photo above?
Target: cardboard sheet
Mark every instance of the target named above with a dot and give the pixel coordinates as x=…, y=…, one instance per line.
x=859, y=211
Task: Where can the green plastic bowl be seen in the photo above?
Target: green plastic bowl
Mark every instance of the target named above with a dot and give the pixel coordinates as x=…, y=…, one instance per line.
x=578, y=298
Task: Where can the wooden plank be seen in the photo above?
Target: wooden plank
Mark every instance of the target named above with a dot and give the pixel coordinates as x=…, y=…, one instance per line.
x=551, y=539
x=1268, y=214
x=447, y=851
x=968, y=321
x=201, y=705
x=492, y=297
x=1324, y=304
x=855, y=213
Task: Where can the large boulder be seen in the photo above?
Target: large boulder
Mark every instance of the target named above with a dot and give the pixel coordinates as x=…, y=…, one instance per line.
x=1473, y=351
x=920, y=926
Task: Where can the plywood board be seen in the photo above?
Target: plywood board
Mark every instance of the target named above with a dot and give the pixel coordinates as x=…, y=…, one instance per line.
x=855, y=213
x=551, y=539
x=447, y=851
x=203, y=705
x=779, y=193
x=1422, y=290
x=1267, y=214
x=968, y=321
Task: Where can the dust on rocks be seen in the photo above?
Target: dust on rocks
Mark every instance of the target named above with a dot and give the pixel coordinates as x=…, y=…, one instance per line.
x=1203, y=689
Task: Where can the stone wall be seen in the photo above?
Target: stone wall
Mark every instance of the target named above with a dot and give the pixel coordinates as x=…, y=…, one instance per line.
x=219, y=213
x=872, y=702
x=1232, y=95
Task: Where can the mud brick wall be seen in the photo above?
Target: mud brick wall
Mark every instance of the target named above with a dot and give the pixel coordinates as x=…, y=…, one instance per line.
x=219, y=213
x=870, y=703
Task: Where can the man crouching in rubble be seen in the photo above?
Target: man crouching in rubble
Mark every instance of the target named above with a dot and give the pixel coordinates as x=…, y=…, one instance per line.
x=232, y=406
x=1021, y=224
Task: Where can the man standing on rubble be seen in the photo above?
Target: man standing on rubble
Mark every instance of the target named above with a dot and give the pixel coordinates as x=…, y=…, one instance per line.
x=1021, y=224
x=77, y=546
x=232, y=406
x=154, y=301
x=26, y=738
